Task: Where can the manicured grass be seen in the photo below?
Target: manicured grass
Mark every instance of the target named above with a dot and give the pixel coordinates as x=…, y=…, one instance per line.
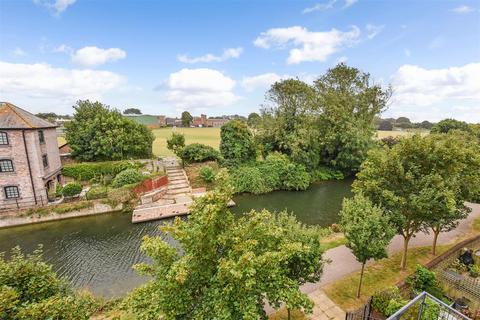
x=383, y=134
x=333, y=241
x=283, y=315
x=208, y=136
x=378, y=276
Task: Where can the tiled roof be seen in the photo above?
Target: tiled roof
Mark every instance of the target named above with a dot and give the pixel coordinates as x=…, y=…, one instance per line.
x=13, y=117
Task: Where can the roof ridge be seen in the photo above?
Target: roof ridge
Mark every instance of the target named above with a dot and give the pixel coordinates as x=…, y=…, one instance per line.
x=18, y=114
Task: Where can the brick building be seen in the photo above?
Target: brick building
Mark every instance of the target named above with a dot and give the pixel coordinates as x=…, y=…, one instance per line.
x=30, y=164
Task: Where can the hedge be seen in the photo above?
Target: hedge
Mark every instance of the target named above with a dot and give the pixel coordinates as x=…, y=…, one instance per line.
x=129, y=176
x=88, y=170
x=71, y=189
x=197, y=152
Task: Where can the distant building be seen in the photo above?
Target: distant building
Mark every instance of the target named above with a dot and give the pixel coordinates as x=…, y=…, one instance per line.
x=30, y=164
x=200, y=121
x=214, y=122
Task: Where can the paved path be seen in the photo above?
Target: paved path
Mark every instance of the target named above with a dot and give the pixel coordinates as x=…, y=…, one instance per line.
x=344, y=262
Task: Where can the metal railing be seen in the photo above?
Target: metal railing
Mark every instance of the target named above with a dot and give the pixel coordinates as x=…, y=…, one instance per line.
x=427, y=307
x=22, y=203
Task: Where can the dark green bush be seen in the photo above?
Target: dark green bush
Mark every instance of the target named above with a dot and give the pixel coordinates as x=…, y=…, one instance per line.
x=98, y=192
x=86, y=171
x=295, y=177
x=129, y=176
x=236, y=143
x=381, y=300
x=71, y=189
x=30, y=289
x=425, y=280
x=197, y=152
x=248, y=179
x=327, y=173
x=207, y=174
x=474, y=271
x=277, y=172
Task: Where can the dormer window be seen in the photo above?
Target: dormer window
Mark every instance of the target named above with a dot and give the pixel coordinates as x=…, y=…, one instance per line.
x=3, y=138
x=41, y=136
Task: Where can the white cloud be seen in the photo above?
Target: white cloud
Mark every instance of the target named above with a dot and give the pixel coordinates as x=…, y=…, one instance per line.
x=463, y=9
x=373, y=30
x=328, y=5
x=263, y=81
x=349, y=3
x=63, y=48
x=342, y=59
x=20, y=82
x=227, y=54
x=320, y=6
x=57, y=6
x=19, y=52
x=407, y=52
x=93, y=56
x=195, y=89
x=308, y=45
x=431, y=93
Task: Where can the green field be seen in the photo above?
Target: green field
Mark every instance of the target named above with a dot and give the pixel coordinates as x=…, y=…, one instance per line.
x=208, y=136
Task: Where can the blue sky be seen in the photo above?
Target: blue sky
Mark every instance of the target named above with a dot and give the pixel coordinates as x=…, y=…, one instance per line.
x=219, y=57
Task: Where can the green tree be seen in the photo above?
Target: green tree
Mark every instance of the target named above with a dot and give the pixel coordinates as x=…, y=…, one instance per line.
x=253, y=120
x=236, y=144
x=132, y=111
x=176, y=143
x=348, y=102
x=229, y=267
x=367, y=230
x=416, y=177
x=446, y=125
x=30, y=289
x=426, y=125
x=186, y=119
x=98, y=133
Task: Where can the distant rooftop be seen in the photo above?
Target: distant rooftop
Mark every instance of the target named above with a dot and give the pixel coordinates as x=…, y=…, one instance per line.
x=13, y=117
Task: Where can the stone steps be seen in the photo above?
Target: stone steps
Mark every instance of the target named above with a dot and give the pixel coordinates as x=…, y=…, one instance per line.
x=177, y=178
x=179, y=190
x=178, y=186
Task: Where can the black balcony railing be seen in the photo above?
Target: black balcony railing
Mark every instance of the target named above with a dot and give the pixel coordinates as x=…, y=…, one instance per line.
x=22, y=203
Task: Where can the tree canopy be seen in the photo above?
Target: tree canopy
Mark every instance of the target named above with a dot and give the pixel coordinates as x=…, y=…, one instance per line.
x=228, y=267
x=367, y=230
x=419, y=175
x=446, y=125
x=330, y=123
x=132, y=111
x=98, y=133
x=236, y=143
x=186, y=119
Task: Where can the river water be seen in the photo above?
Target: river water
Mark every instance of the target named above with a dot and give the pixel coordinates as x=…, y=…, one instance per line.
x=97, y=252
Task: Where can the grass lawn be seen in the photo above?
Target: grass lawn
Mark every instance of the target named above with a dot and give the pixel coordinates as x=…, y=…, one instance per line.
x=208, y=136
x=476, y=225
x=378, y=276
x=61, y=140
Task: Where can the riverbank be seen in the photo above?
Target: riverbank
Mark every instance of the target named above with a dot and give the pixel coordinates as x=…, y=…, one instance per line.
x=94, y=208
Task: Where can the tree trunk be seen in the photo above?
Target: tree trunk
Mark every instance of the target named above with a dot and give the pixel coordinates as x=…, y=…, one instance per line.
x=435, y=238
x=361, y=279
x=288, y=314
x=403, y=263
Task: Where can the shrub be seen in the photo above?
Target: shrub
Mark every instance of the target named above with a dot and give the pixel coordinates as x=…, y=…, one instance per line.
x=73, y=206
x=393, y=306
x=87, y=171
x=30, y=289
x=277, y=172
x=197, y=152
x=120, y=195
x=474, y=271
x=381, y=300
x=176, y=143
x=71, y=189
x=98, y=192
x=236, y=144
x=425, y=280
x=295, y=177
x=207, y=174
x=327, y=173
x=129, y=176
x=248, y=179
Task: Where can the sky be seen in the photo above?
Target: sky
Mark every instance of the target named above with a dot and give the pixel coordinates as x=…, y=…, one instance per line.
x=220, y=57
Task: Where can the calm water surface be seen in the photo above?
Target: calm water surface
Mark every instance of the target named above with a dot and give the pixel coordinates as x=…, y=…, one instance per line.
x=97, y=253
